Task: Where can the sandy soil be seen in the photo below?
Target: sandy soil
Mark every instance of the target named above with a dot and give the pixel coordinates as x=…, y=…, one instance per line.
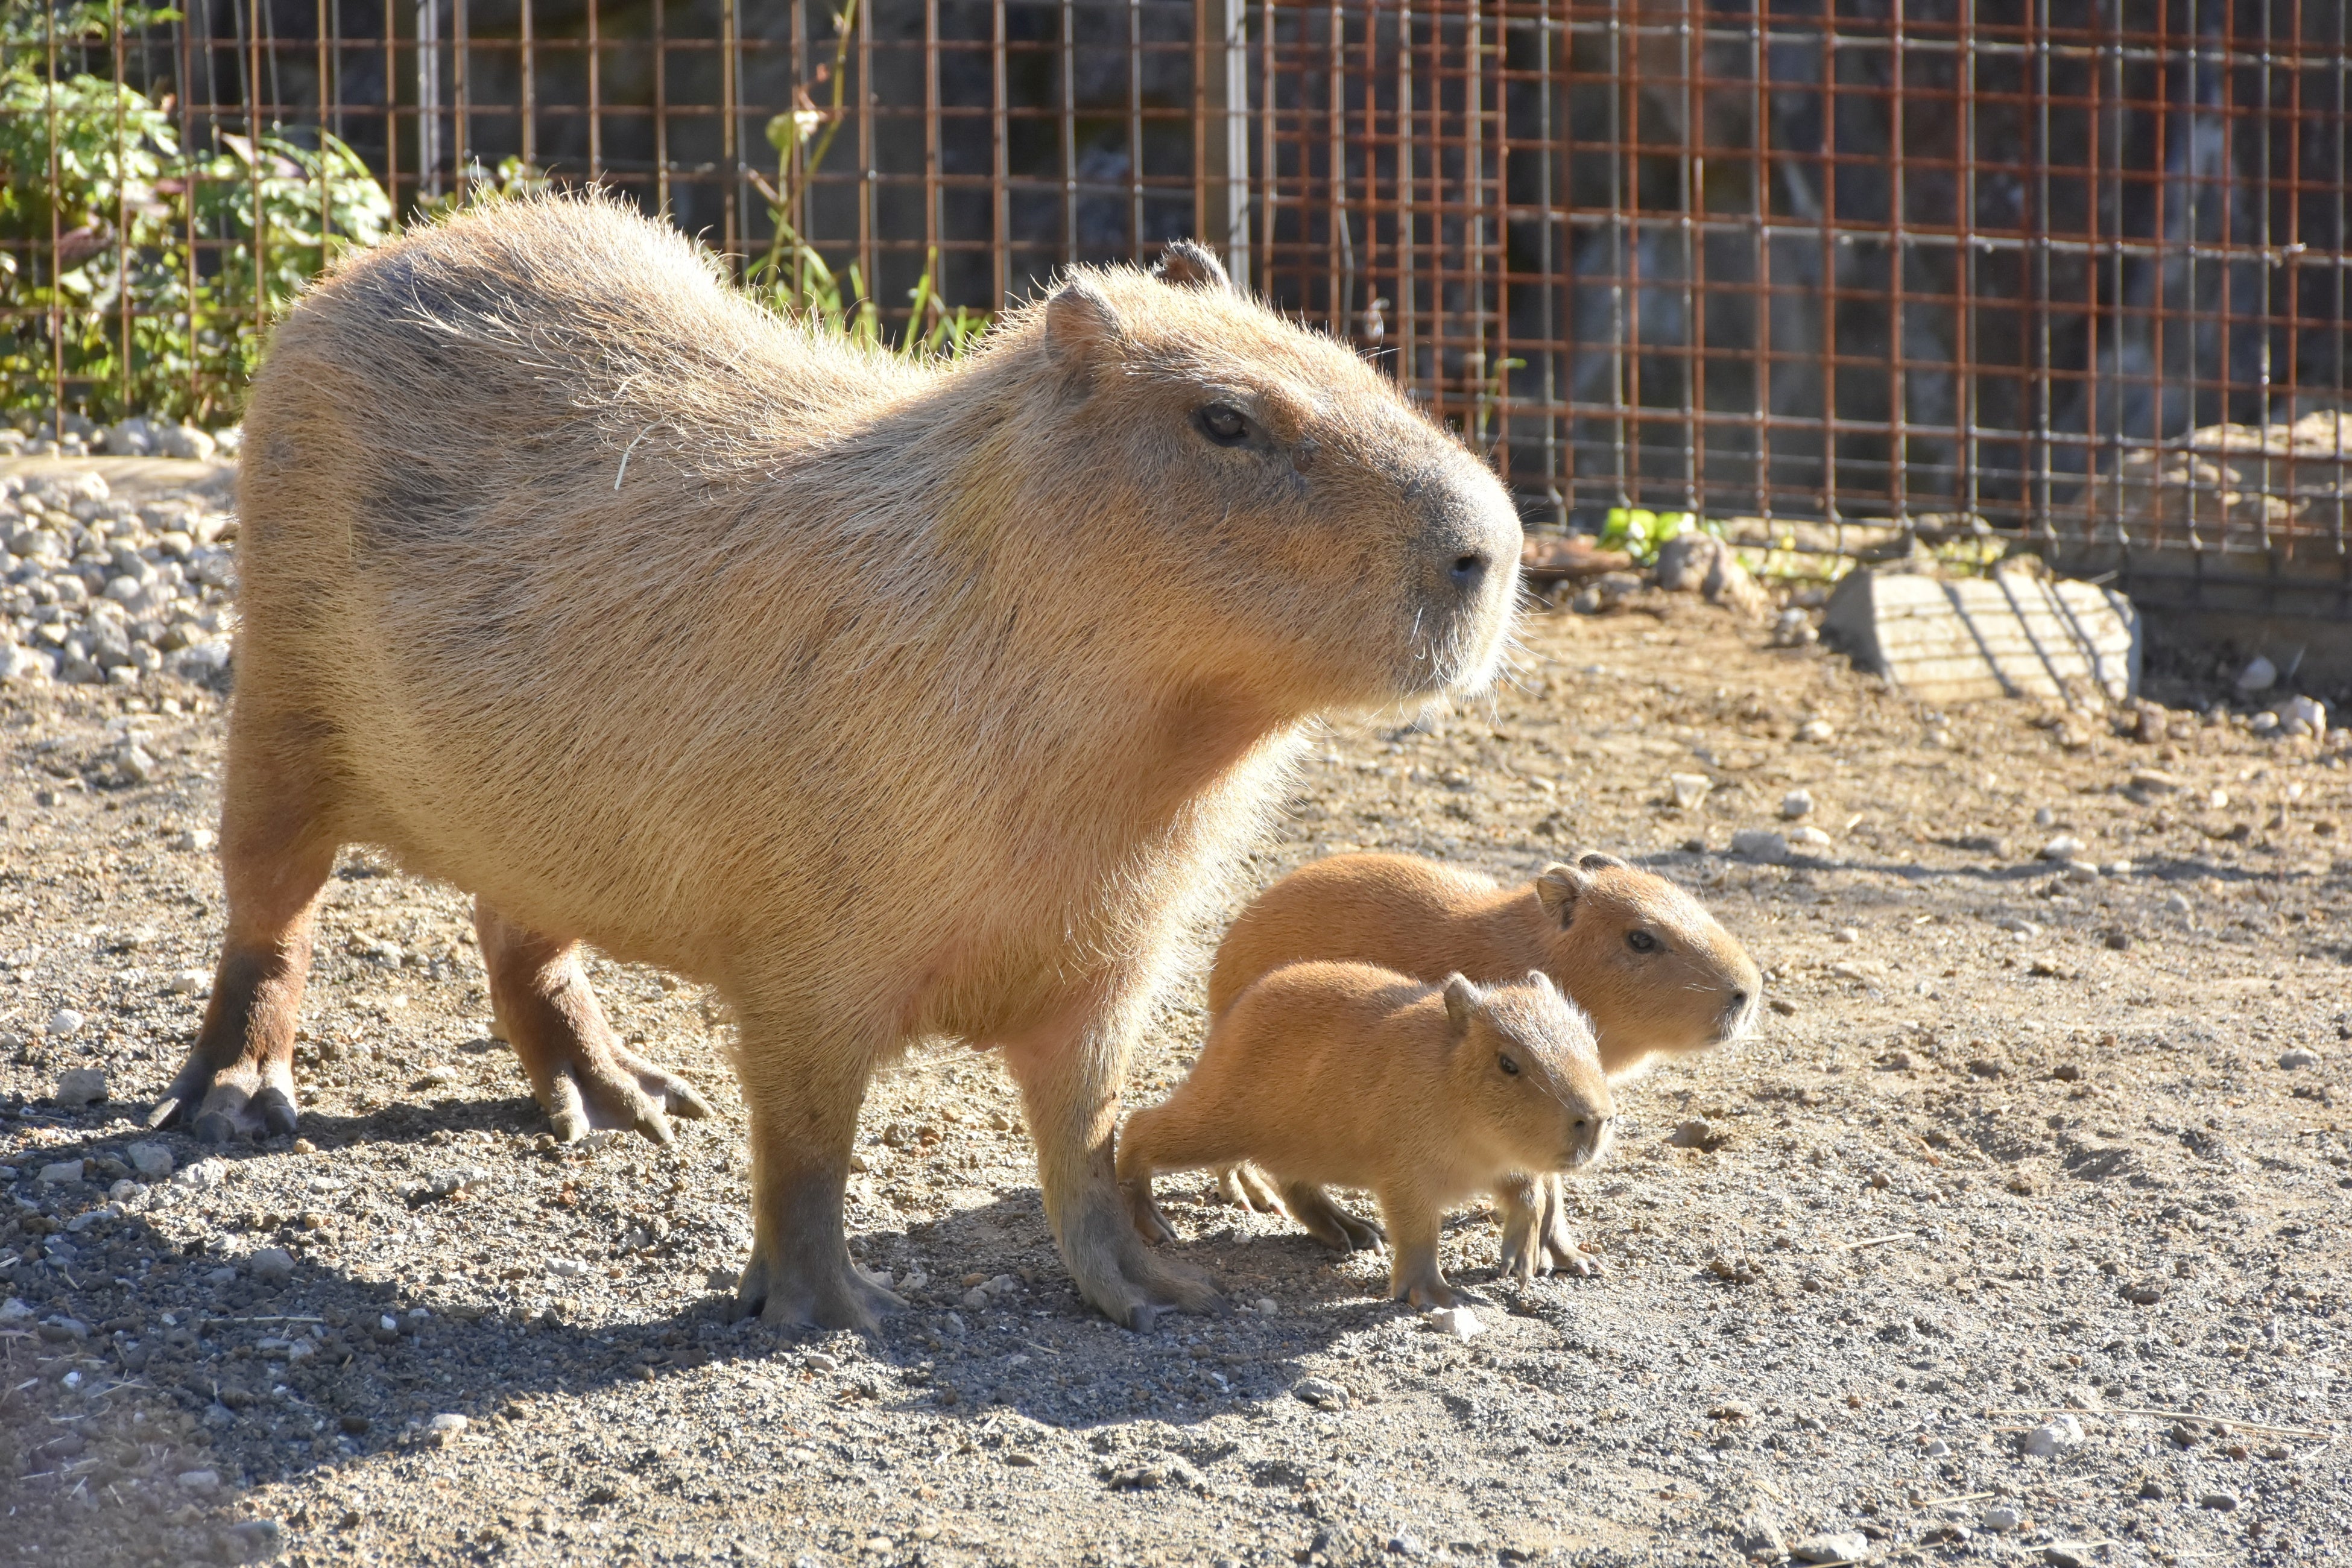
x=2013, y=1139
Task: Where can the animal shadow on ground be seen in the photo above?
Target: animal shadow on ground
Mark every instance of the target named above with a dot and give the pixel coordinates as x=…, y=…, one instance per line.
x=270, y=1371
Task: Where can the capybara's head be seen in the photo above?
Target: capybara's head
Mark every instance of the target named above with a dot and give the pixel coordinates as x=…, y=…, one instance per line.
x=1657, y=973
x=1529, y=1073
x=1288, y=525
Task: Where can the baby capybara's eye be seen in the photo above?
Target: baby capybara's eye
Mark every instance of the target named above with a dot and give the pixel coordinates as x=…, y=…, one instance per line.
x=1223, y=424
x=1641, y=942
x=1510, y=1068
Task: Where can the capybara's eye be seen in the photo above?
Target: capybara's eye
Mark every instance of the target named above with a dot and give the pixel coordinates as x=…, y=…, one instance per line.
x=1223, y=424
x=1510, y=1068
x=1641, y=942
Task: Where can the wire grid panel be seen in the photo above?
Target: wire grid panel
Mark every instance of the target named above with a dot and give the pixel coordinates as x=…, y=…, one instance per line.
x=985, y=143
x=2076, y=268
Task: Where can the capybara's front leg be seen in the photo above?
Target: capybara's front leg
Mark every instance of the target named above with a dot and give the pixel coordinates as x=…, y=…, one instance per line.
x=1536, y=1237
x=1414, y=1224
x=578, y=1067
x=802, y=1089
x=1070, y=1078
x=238, y=1080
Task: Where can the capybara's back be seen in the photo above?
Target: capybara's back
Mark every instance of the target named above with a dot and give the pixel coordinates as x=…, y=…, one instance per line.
x=895, y=701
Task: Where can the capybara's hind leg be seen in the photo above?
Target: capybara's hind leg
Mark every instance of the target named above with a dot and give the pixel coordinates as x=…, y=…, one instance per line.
x=1326, y=1222
x=578, y=1067
x=1070, y=1075
x=1247, y=1186
x=238, y=1080
x=803, y=1091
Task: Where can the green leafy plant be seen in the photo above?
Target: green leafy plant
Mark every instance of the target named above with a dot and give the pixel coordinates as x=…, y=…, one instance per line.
x=1641, y=533
x=137, y=275
x=794, y=279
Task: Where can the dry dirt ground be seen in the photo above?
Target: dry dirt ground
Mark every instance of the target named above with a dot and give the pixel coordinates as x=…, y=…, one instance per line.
x=2013, y=1141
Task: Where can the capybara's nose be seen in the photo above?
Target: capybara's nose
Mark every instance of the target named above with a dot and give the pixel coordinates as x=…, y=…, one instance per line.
x=1739, y=1003
x=1469, y=572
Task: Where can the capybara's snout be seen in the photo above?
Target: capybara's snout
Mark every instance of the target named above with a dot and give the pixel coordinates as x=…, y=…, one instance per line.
x=1591, y=1131
x=1469, y=568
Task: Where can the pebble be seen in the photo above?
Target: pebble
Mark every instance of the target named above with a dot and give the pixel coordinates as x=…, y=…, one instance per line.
x=2299, y=1057
x=566, y=1268
x=197, y=840
x=2176, y=904
x=1796, y=802
x=199, y=1480
x=2058, y=1433
x=1692, y=1134
x=1460, y=1322
x=1689, y=789
x=1760, y=844
x=2065, y=847
x=65, y=1024
x=2259, y=675
x=1844, y=1547
x=2081, y=871
x=2154, y=781
x=2219, y=1502
x=1321, y=1392
x=1265, y=1306
x=2000, y=1518
x=2302, y=716
x=192, y=982
x=2023, y=930
x=1816, y=731
x=444, y=1430
x=1809, y=837
x=209, y=1173
x=13, y=1311
x=78, y=1086
x=272, y=1265
x=60, y=1173
x=1849, y=935
x=817, y=1361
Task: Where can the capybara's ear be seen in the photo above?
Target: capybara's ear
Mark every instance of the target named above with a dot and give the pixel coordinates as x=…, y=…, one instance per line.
x=1462, y=999
x=1594, y=860
x=1081, y=323
x=1542, y=982
x=1558, y=888
x=1190, y=265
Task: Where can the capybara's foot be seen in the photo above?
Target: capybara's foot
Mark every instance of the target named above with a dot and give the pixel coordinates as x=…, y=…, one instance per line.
x=1144, y=1210
x=218, y=1105
x=823, y=1292
x=1536, y=1237
x=596, y=1085
x=1246, y=1187
x=1113, y=1269
x=1429, y=1291
x=1330, y=1223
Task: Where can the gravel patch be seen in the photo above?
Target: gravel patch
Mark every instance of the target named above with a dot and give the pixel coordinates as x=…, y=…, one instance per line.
x=2002, y=1241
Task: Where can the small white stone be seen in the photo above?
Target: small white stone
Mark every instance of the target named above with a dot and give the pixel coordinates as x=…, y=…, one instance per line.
x=151, y=1161
x=1689, y=789
x=444, y=1430
x=1460, y=1322
x=65, y=1024
x=199, y=1480
x=1850, y=1546
x=1760, y=844
x=1815, y=730
x=273, y=1265
x=2057, y=1433
x=192, y=982
x=2260, y=675
x=1796, y=802
x=566, y=1268
x=2175, y=903
x=2299, y=1057
x=58, y=1173
x=2081, y=871
x=2065, y=847
x=976, y=1299
x=198, y=840
x=2023, y=930
x=2302, y=716
x=1265, y=1306
x=78, y=1086
x=1809, y=837
x=2000, y=1518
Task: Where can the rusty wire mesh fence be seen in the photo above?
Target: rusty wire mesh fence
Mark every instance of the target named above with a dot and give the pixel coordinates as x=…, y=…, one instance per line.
x=2070, y=270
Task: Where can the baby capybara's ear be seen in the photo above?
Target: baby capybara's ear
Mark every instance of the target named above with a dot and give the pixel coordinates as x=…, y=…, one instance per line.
x=1462, y=999
x=1558, y=888
x=1190, y=265
x=1594, y=860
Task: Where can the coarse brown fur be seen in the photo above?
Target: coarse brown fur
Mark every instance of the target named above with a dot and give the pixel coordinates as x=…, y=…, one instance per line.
x=1348, y=1075
x=897, y=703
x=1657, y=973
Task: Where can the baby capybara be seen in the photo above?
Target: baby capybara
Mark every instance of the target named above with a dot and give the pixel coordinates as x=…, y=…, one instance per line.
x=1345, y=1075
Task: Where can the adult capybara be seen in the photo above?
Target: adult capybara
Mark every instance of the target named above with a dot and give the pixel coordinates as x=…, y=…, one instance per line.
x=1354, y=1076
x=1656, y=973
x=895, y=702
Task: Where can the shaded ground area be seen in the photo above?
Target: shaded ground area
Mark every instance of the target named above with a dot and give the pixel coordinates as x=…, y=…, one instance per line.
x=2014, y=1139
